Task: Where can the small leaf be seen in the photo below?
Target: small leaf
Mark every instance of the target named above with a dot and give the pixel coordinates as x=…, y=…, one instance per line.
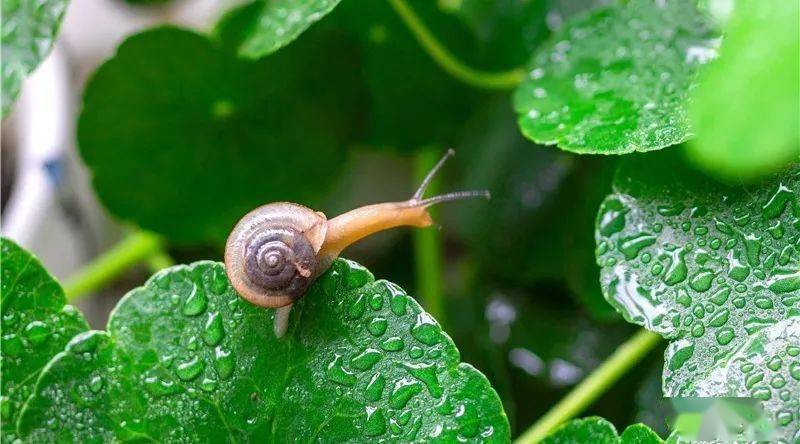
x=714, y=269
x=746, y=108
x=597, y=430
x=616, y=80
x=29, y=30
x=206, y=137
x=278, y=22
x=37, y=324
x=330, y=378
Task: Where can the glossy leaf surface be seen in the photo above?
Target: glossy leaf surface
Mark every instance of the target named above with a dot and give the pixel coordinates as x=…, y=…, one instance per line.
x=185, y=357
x=214, y=136
x=37, y=324
x=616, y=80
x=278, y=22
x=599, y=431
x=715, y=270
x=755, y=76
x=29, y=30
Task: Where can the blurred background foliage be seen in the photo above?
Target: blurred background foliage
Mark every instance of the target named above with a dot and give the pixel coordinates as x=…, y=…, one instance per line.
x=182, y=136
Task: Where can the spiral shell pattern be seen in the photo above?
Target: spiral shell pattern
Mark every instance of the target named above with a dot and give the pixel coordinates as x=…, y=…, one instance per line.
x=280, y=259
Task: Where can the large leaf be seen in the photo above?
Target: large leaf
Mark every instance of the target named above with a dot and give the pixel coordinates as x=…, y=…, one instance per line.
x=37, y=324
x=277, y=23
x=186, y=358
x=715, y=270
x=413, y=102
x=616, y=80
x=29, y=30
x=206, y=137
x=597, y=430
x=746, y=110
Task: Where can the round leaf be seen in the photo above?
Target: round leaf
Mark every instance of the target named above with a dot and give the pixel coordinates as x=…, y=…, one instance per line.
x=616, y=80
x=278, y=23
x=186, y=357
x=29, y=30
x=710, y=267
x=746, y=110
x=183, y=138
x=37, y=324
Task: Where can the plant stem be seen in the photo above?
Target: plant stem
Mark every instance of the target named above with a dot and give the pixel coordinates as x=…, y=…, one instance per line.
x=600, y=380
x=428, y=245
x=134, y=248
x=447, y=61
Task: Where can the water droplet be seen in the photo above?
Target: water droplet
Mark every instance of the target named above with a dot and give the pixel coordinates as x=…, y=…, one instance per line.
x=95, y=384
x=702, y=280
x=213, y=332
x=376, y=301
x=777, y=381
x=37, y=332
x=785, y=282
x=374, y=389
x=698, y=330
x=763, y=302
x=375, y=424
x=794, y=370
x=612, y=219
x=631, y=246
x=190, y=369
x=682, y=297
x=196, y=302
x=725, y=335
x=366, y=360
x=677, y=271
x=403, y=391
x=377, y=327
x=358, y=307
x=393, y=344
x=208, y=385
x=337, y=373
x=784, y=417
x=720, y=318
x=425, y=330
x=720, y=296
x=416, y=352
x=398, y=304
x=160, y=387
x=776, y=204
x=753, y=379
x=223, y=362
x=426, y=373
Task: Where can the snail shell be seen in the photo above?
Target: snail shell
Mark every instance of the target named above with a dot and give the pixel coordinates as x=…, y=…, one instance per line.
x=271, y=254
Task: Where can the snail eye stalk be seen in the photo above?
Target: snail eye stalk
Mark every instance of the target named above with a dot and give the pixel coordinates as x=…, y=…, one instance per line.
x=449, y=197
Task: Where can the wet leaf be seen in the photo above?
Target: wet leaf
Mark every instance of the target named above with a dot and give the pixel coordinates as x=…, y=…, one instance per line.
x=616, y=80
x=276, y=23
x=746, y=110
x=37, y=324
x=713, y=268
x=29, y=30
x=206, y=137
x=599, y=431
x=186, y=357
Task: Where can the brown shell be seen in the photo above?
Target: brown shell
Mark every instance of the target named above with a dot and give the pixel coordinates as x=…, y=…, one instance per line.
x=282, y=216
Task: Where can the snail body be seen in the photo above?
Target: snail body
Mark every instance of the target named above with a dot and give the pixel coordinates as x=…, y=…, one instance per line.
x=277, y=250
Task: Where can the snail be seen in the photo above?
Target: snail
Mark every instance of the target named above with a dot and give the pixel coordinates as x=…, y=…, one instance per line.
x=276, y=251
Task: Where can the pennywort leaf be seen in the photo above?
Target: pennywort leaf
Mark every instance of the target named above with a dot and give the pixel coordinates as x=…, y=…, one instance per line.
x=37, y=324
x=714, y=269
x=185, y=357
x=598, y=430
x=214, y=136
x=278, y=22
x=29, y=30
x=757, y=77
x=616, y=80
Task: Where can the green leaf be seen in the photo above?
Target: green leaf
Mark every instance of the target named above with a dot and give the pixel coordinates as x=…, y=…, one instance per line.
x=277, y=23
x=186, y=357
x=29, y=30
x=37, y=324
x=746, y=108
x=713, y=268
x=616, y=80
x=413, y=102
x=206, y=137
x=597, y=430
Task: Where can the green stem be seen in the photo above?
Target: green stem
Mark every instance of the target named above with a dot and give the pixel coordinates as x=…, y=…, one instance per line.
x=132, y=250
x=600, y=380
x=447, y=61
x=428, y=245
x=159, y=261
